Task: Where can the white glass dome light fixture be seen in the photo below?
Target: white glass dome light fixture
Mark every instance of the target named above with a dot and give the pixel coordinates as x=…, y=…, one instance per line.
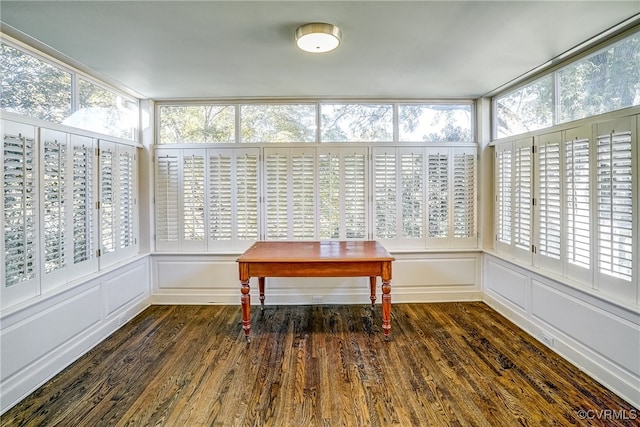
x=318, y=37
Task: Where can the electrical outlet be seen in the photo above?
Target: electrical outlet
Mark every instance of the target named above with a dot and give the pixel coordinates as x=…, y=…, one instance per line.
x=317, y=299
x=547, y=339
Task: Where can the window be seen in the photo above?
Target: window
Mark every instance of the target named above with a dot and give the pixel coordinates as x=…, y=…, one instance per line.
x=356, y=122
x=435, y=122
x=606, y=80
x=584, y=221
x=33, y=87
x=37, y=87
x=105, y=111
x=278, y=123
x=189, y=124
x=526, y=109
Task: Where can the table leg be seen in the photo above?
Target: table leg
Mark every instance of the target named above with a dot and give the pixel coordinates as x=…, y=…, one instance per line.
x=261, y=286
x=246, y=308
x=386, y=308
x=372, y=286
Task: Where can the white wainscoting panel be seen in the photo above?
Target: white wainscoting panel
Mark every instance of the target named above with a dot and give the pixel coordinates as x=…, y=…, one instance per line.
x=598, y=336
x=41, y=337
x=213, y=279
x=506, y=283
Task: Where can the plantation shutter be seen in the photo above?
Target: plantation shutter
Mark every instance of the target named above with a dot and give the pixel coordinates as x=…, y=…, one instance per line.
x=548, y=208
x=277, y=194
x=303, y=194
x=167, y=201
x=329, y=194
x=451, y=195
x=438, y=195
x=20, y=210
x=193, y=200
x=341, y=192
x=385, y=193
x=464, y=197
x=522, y=198
x=412, y=179
x=220, y=196
x=615, y=201
x=55, y=204
x=126, y=197
x=84, y=192
x=233, y=198
x=246, y=201
x=118, y=194
x=578, y=203
x=354, y=202
x=108, y=186
x=504, y=208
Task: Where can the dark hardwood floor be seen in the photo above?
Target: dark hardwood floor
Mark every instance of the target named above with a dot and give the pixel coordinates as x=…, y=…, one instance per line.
x=446, y=364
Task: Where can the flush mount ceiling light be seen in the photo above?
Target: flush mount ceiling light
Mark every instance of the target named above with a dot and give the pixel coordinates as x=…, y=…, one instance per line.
x=318, y=37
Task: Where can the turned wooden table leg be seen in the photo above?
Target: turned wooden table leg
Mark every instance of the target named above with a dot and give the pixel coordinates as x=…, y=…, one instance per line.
x=246, y=308
x=372, y=286
x=386, y=308
x=261, y=286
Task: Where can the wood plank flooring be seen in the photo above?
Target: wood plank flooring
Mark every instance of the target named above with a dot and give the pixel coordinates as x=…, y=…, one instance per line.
x=446, y=364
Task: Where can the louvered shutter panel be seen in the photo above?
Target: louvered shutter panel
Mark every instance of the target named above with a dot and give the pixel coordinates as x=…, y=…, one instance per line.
x=220, y=197
x=193, y=200
x=54, y=203
x=126, y=198
x=20, y=210
x=438, y=194
x=504, y=208
x=84, y=213
x=548, y=208
x=385, y=193
x=277, y=194
x=108, y=194
x=329, y=194
x=464, y=197
x=522, y=195
x=303, y=194
x=577, y=204
x=615, y=201
x=341, y=190
x=412, y=180
x=167, y=200
x=246, y=200
x=354, y=201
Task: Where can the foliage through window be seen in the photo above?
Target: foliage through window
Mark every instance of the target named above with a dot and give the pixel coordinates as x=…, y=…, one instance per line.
x=39, y=88
x=607, y=80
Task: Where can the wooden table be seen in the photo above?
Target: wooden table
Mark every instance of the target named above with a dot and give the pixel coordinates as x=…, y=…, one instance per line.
x=316, y=259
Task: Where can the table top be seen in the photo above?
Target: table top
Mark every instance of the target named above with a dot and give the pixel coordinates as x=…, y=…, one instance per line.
x=328, y=250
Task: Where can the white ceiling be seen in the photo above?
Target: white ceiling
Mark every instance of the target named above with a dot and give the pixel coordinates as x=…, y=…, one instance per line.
x=391, y=49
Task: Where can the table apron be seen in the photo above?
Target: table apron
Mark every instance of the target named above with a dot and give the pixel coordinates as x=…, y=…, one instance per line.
x=316, y=269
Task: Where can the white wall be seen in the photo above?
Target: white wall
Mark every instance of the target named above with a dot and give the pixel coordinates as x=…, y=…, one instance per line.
x=40, y=338
x=599, y=337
